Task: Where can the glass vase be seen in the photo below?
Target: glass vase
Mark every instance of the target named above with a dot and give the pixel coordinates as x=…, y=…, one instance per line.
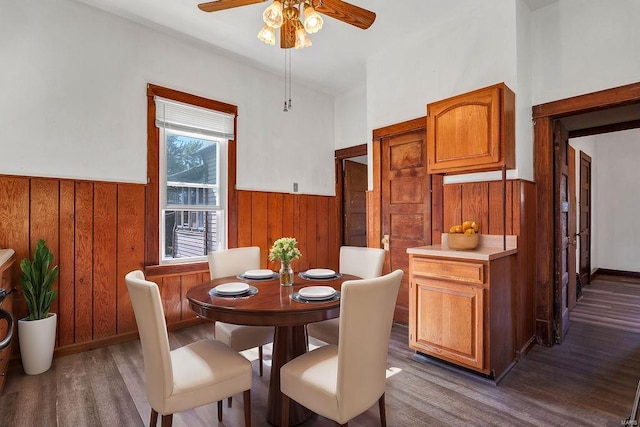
x=286, y=274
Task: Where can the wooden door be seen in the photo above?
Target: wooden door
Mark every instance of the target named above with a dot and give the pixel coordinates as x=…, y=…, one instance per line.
x=585, y=219
x=355, y=204
x=572, y=294
x=405, y=204
x=564, y=249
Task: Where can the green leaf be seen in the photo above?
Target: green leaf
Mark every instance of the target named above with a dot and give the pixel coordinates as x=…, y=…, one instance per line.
x=37, y=281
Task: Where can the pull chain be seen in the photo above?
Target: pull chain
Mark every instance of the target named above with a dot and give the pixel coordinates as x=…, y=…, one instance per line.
x=289, y=53
x=285, y=82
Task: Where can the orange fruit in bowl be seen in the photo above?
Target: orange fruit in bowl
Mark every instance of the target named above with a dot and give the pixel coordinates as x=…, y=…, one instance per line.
x=466, y=225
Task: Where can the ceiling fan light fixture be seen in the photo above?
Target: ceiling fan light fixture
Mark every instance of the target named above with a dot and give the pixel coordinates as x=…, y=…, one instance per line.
x=302, y=38
x=272, y=15
x=268, y=35
x=312, y=19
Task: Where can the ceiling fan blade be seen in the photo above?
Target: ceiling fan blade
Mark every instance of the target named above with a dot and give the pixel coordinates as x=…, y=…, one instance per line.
x=347, y=12
x=287, y=35
x=214, y=6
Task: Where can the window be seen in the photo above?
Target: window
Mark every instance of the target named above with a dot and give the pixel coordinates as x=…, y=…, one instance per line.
x=188, y=147
x=192, y=200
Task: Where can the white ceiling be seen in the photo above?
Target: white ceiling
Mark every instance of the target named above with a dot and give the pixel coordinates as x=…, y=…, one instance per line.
x=335, y=63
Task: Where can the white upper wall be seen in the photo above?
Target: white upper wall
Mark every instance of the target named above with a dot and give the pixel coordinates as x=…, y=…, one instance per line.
x=459, y=55
x=74, y=101
x=351, y=118
x=583, y=46
x=615, y=175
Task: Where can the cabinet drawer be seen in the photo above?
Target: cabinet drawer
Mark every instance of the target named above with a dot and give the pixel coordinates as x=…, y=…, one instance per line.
x=449, y=270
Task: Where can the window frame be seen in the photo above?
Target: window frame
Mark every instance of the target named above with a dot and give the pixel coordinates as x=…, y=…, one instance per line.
x=152, y=214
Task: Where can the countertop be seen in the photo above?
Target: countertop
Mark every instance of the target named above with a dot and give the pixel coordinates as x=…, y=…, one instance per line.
x=490, y=247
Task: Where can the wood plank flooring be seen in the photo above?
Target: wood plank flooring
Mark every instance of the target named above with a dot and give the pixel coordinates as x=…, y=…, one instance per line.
x=589, y=380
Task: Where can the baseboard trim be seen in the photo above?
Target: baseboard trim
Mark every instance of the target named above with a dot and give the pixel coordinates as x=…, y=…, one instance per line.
x=67, y=350
x=525, y=348
x=608, y=272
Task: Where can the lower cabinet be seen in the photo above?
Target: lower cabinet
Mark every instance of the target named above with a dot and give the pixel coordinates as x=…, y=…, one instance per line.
x=461, y=311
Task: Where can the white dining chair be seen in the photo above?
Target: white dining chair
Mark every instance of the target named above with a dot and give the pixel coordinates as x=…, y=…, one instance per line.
x=341, y=382
x=232, y=262
x=365, y=263
x=194, y=375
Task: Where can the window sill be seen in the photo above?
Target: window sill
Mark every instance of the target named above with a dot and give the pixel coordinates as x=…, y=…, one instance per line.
x=173, y=269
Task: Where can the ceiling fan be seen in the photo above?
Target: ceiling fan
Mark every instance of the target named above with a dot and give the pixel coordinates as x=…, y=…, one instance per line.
x=297, y=18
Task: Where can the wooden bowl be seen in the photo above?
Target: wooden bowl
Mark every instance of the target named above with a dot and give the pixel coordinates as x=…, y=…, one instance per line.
x=463, y=242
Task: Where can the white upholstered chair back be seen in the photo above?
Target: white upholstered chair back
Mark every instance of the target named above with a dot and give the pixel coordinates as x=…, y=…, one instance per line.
x=366, y=263
x=147, y=307
x=366, y=317
x=231, y=262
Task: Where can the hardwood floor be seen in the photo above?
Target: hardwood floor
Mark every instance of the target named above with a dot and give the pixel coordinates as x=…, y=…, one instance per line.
x=589, y=380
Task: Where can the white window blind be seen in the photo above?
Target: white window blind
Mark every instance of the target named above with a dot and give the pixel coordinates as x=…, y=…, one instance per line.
x=187, y=118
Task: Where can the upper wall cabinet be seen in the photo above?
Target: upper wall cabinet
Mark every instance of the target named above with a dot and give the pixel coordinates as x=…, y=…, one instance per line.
x=472, y=132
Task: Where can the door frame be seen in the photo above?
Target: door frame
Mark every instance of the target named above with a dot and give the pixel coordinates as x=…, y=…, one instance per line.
x=543, y=117
x=340, y=156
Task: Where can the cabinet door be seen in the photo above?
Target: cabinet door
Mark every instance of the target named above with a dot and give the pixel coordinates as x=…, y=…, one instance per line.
x=448, y=321
x=471, y=132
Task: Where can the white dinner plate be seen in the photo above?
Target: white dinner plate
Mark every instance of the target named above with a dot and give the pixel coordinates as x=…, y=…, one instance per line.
x=317, y=292
x=258, y=274
x=233, y=288
x=320, y=272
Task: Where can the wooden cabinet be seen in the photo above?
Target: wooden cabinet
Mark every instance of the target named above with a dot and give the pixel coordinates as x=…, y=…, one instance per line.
x=472, y=132
x=460, y=311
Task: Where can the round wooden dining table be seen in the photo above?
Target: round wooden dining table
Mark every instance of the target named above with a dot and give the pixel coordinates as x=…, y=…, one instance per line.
x=272, y=305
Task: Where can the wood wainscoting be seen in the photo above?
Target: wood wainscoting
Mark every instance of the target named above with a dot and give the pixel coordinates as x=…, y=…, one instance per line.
x=96, y=231
x=482, y=202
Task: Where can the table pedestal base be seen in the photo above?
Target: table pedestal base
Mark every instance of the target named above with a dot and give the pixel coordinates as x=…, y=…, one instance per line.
x=289, y=342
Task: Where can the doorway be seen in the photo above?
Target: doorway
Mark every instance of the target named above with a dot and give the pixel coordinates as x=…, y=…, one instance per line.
x=351, y=189
x=599, y=112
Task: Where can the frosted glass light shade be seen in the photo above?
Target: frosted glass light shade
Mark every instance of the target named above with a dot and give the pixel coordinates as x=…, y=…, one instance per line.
x=302, y=38
x=312, y=20
x=267, y=35
x=272, y=15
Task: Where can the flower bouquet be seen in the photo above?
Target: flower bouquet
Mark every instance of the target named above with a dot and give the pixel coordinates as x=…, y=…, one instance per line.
x=285, y=250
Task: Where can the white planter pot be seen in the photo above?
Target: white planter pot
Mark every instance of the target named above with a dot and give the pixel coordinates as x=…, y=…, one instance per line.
x=37, y=341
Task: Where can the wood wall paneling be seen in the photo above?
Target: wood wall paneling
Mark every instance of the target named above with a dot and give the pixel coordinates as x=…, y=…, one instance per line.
x=311, y=257
x=259, y=221
x=14, y=226
x=171, y=292
x=452, y=206
x=83, y=259
x=43, y=219
x=66, y=264
x=244, y=218
x=496, y=197
x=104, y=262
x=130, y=251
x=96, y=231
x=188, y=282
x=275, y=215
x=475, y=203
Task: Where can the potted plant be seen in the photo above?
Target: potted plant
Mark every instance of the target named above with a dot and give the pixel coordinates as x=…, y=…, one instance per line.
x=37, y=331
